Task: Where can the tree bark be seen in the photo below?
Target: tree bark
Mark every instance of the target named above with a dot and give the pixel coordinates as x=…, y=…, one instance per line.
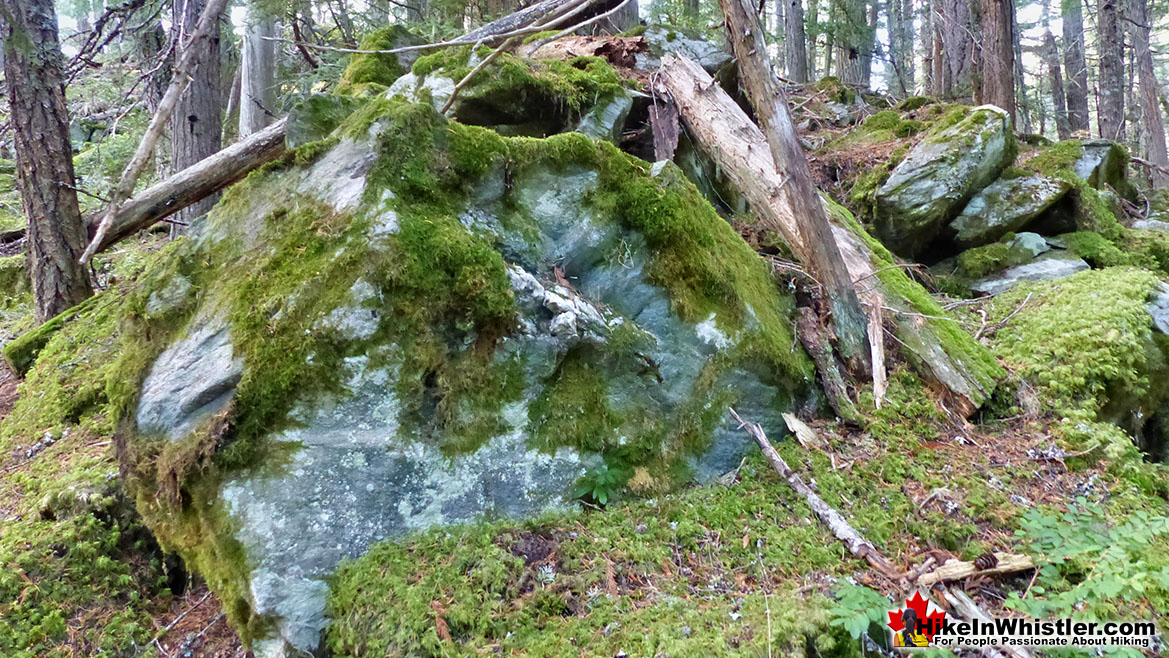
x=1110, y=46
x=1152, y=127
x=1075, y=65
x=795, y=43
x=998, y=55
x=257, y=72
x=44, y=162
x=197, y=120
x=193, y=184
x=957, y=48
x=951, y=360
x=819, y=251
x=188, y=63
x=1051, y=59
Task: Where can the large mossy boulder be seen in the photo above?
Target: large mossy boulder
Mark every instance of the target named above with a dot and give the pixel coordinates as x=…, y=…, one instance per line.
x=958, y=157
x=367, y=70
x=419, y=323
x=1007, y=205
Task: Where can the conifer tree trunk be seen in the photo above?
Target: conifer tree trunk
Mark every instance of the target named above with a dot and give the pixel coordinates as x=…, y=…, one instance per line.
x=1075, y=65
x=1151, y=126
x=998, y=55
x=196, y=122
x=44, y=156
x=795, y=43
x=1110, y=48
x=1051, y=60
x=957, y=49
x=257, y=72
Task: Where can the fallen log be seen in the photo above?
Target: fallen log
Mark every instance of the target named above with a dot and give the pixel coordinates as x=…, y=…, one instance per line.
x=963, y=606
x=188, y=186
x=819, y=251
x=955, y=569
x=946, y=356
x=856, y=543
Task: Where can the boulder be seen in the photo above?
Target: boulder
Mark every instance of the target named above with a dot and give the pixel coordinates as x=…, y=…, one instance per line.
x=1104, y=163
x=380, y=70
x=1005, y=206
x=1051, y=265
x=664, y=39
x=430, y=324
x=939, y=176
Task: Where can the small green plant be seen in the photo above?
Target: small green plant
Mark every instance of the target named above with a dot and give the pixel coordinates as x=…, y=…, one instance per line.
x=857, y=608
x=600, y=484
x=1093, y=565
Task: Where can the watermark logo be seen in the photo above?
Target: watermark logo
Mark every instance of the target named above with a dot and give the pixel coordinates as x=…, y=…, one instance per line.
x=916, y=624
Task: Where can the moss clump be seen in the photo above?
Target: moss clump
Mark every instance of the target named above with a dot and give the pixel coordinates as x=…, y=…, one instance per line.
x=378, y=69
x=13, y=279
x=1079, y=340
x=909, y=128
x=981, y=261
x=837, y=91
x=883, y=120
x=915, y=103
x=1095, y=249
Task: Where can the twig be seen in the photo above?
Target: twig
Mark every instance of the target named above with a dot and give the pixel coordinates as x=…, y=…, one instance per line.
x=166, y=629
x=574, y=28
x=853, y=540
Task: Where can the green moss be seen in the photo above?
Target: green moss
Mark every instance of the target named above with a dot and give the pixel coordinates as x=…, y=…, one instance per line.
x=1079, y=340
x=981, y=261
x=915, y=103
x=836, y=90
x=1094, y=248
x=883, y=120
x=378, y=69
x=909, y=128
x=22, y=352
x=13, y=279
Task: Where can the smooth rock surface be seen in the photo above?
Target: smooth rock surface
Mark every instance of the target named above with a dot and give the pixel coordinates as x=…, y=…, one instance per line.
x=1005, y=206
x=1053, y=265
x=939, y=176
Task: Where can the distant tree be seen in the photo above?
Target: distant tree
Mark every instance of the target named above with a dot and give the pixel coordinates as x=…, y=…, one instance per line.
x=1110, y=48
x=1055, y=79
x=196, y=125
x=257, y=71
x=998, y=55
x=956, y=41
x=1075, y=64
x=40, y=120
x=1152, y=128
x=795, y=42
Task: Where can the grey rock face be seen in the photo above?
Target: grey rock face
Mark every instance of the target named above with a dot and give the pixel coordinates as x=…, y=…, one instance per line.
x=939, y=176
x=1104, y=163
x=191, y=381
x=1159, y=308
x=606, y=121
x=1151, y=225
x=1026, y=246
x=359, y=466
x=709, y=55
x=1053, y=265
x=1005, y=206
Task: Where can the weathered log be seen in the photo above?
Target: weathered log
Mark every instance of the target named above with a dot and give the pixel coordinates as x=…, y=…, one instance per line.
x=959, y=569
x=856, y=543
x=962, y=606
x=812, y=337
x=934, y=344
x=196, y=182
x=819, y=253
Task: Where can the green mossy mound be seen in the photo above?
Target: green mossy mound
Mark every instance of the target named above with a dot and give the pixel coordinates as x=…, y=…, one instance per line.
x=379, y=70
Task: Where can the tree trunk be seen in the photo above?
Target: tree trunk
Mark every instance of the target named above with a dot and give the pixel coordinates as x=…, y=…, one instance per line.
x=44, y=162
x=1022, y=112
x=197, y=119
x=1110, y=46
x=812, y=27
x=998, y=56
x=948, y=357
x=795, y=43
x=257, y=72
x=154, y=50
x=957, y=49
x=1051, y=59
x=819, y=253
x=1075, y=65
x=1152, y=127
x=900, y=16
x=690, y=8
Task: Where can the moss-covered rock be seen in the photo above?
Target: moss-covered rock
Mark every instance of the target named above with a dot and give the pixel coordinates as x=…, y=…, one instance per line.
x=365, y=69
x=428, y=323
x=940, y=175
x=516, y=96
x=1007, y=205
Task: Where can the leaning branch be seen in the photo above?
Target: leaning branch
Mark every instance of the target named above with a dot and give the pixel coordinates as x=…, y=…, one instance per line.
x=190, y=185
x=856, y=543
x=184, y=72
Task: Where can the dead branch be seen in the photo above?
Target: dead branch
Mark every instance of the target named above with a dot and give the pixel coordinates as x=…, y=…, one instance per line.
x=958, y=569
x=964, y=606
x=856, y=543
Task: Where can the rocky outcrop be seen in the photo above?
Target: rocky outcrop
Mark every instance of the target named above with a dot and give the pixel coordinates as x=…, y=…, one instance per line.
x=1007, y=205
x=426, y=323
x=939, y=176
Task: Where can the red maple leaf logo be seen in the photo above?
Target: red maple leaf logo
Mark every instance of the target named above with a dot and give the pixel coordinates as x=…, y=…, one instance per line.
x=930, y=622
